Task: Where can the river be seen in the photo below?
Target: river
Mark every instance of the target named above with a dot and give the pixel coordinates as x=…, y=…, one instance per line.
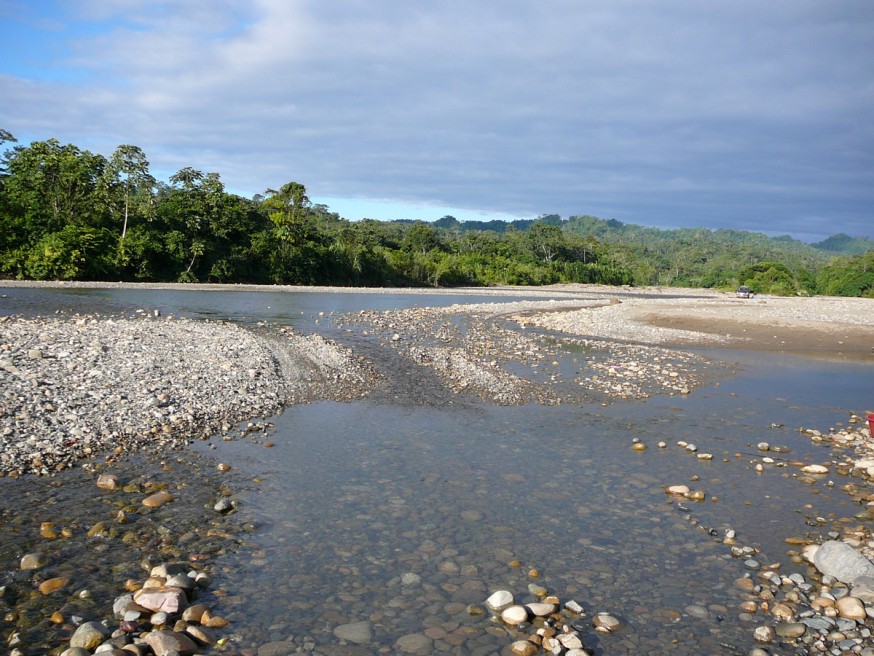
x=401, y=515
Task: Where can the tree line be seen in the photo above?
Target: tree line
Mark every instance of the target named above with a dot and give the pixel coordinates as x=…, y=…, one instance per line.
x=69, y=214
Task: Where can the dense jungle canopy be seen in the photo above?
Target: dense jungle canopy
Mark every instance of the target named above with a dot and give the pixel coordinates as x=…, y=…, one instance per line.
x=69, y=214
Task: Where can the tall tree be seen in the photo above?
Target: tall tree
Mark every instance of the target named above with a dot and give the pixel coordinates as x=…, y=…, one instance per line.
x=546, y=241
x=288, y=209
x=50, y=185
x=299, y=255
x=5, y=136
x=193, y=208
x=127, y=174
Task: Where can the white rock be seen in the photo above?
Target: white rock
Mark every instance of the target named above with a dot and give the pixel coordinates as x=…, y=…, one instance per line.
x=815, y=469
x=574, y=607
x=764, y=634
x=541, y=610
x=570, y=641
x=514, y=615
x=500, y=600
x=841, y=561
x=606, y=623
x=411, y=578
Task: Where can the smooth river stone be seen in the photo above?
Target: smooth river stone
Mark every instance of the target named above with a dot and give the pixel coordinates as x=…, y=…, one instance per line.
x=50, y=585
x=89, y=635
x=158, y=499
x=34, y=561
x=415, y=643
x=166, y=570
x=180, y=581
x=514, y=615
x=168, y=600
x=107, y=482
x=523, y=648
x=790, y=630
x=277, y=648
x=863, y=588
x=606, y=623
x=764, y=633
x=815, y=469
x=201, y=634
x=358, y=632
x=841, y=561
x=698, y=612
x=164, y=643
x=851, y=608
x=570, y=641
x=500, y=600
x=194, y=613
x=541, y=610
x=681, y=490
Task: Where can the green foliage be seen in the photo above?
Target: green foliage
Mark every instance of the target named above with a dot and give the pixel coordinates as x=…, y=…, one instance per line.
x=126, y=185
x=772, y=278
x=70, y=214
x=420, y=238
x=75, y=252
x=48, y=185
x=842, y=244
x=848, y=276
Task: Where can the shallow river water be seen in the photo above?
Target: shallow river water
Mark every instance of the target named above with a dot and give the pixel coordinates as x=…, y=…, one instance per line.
x=404, y=515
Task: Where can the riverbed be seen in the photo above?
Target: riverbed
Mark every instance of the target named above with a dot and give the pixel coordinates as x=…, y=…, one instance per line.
x=404, y=511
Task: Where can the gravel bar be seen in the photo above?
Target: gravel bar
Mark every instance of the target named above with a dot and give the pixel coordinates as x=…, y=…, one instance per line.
x=74, y=388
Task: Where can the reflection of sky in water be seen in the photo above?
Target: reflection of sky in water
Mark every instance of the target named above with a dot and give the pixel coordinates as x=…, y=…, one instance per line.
x=352, y=496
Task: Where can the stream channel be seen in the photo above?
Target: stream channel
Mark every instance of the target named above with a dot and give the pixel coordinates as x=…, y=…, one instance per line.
x=403, y=515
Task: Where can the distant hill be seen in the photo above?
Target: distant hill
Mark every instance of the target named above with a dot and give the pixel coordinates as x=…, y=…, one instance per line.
x=842, y=244
x=659, y=239
x=690, y=257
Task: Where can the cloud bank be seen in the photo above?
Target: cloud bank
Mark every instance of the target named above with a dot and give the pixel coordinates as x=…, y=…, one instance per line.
x=742, y=115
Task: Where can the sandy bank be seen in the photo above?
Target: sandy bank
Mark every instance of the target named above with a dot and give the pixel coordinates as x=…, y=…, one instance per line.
x=841, y=328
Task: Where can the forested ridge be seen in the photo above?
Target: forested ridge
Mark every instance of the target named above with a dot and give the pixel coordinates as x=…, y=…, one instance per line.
x=69, y=214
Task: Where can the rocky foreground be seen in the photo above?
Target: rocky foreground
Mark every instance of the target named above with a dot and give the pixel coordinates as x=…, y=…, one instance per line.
x=72, y=388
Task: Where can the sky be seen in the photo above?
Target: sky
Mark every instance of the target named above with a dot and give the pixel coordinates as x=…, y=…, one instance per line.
x=738, y=114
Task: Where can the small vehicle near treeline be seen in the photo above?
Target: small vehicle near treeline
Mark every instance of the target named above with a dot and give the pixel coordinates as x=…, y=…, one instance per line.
x=744, y=292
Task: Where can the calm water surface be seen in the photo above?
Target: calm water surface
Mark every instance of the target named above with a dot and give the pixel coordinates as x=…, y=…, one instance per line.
x=352, y=497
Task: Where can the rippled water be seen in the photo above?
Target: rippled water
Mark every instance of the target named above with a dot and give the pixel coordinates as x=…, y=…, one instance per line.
x=351, y=497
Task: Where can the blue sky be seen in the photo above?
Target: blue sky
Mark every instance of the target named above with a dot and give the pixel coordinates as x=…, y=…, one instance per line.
x=747, y=115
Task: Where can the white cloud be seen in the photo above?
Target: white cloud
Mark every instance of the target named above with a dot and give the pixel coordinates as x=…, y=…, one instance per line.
x=674, y=111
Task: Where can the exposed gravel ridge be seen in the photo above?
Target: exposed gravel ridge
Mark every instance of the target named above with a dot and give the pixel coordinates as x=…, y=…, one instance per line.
x=71, y=388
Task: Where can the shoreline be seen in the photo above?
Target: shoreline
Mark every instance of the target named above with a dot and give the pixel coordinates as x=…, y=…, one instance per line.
x=74, y=385
x=476, y=351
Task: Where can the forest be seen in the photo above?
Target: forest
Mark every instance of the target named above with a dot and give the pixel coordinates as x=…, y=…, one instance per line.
x=69, y=214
